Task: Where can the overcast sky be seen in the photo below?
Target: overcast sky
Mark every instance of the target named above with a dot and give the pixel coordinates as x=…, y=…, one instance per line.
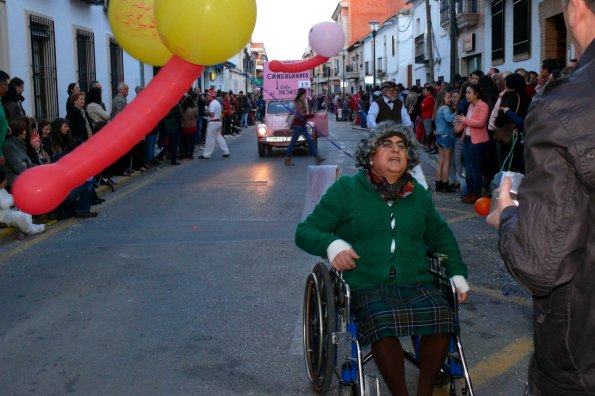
x=283, y=25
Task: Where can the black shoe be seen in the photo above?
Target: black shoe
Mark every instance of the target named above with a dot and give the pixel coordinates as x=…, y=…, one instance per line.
x=98, y=201
x=203, y=157
x=84, y=215
x=226, y=155
x=176, y=163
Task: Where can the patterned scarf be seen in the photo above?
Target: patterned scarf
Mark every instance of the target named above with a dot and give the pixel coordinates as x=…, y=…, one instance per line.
x=391, y=192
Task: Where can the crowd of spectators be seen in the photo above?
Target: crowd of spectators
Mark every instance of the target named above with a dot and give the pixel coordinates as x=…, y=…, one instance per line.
x=26, y=141
x=459, y=122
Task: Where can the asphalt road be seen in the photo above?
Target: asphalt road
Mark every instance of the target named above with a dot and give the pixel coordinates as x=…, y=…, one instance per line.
x=189, y=283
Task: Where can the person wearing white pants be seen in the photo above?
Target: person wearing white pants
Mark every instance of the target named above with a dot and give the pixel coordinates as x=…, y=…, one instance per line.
x=214, y=127
x=15, y=218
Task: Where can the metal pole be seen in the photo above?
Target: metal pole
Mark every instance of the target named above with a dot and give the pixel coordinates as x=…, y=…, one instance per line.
x=373, y=59
x=453, y=42
x=343, y=72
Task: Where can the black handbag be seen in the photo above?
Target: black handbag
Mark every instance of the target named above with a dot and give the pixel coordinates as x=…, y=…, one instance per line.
x=504, y=133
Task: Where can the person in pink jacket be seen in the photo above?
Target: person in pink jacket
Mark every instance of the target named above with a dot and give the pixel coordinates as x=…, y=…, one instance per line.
x=475, y=138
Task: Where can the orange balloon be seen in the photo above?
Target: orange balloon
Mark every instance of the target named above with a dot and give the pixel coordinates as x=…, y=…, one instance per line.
x=482, y=206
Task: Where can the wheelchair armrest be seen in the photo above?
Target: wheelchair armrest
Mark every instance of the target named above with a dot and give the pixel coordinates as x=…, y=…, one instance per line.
x=437, y=268
x=436, y=265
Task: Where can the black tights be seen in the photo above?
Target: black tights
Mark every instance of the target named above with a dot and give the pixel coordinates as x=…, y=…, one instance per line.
x=388, y=355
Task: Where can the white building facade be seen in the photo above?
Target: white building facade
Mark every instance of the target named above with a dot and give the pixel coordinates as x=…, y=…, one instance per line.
x=50, y=44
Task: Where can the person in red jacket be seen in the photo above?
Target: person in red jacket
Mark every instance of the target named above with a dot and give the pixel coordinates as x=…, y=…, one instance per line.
x=427, y=112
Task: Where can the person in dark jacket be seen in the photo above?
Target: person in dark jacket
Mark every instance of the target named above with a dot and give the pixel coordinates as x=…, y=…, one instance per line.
x=80, y=124
x=13, y=100
x=548, y=241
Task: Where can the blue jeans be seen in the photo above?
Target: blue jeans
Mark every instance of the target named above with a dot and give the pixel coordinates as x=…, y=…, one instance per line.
x=298, y=131
x=473, y=155
x=362, y=119
x=151, y=139
x=456, y=170
x=244, y=121
x=79, y=200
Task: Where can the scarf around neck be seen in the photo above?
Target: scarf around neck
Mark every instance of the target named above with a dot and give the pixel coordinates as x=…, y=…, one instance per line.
x=391, y=192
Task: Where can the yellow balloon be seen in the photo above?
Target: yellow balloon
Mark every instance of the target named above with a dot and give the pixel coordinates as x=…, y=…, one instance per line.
x=205, y=32
x=133, y=24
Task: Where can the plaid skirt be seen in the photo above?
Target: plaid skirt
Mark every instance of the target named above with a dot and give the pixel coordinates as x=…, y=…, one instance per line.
x=403, y=310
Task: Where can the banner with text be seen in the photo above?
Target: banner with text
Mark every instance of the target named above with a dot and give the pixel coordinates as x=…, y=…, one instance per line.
x=283, y=85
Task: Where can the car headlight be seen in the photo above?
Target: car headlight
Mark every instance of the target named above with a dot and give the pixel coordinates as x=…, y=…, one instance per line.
x=261, y=129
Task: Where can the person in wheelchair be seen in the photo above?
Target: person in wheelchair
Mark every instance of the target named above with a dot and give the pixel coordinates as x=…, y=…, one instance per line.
x=376, y=227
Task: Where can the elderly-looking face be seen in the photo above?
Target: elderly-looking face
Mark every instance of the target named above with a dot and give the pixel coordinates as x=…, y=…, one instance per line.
x=80, y=102
x=390, y=93
x=390, y=158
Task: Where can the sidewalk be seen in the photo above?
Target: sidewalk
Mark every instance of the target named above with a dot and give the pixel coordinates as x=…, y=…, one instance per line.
x=8, y=233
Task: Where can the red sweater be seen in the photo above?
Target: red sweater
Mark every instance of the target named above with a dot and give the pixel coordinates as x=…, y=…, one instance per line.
x=427, y=106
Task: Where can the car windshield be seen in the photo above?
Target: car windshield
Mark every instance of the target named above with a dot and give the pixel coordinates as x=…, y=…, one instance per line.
x=279, y=106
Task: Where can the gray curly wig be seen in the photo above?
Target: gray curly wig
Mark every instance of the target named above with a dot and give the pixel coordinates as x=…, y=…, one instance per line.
x=367, y=147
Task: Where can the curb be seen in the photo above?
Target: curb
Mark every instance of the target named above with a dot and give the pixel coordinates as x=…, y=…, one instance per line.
x=9, y=233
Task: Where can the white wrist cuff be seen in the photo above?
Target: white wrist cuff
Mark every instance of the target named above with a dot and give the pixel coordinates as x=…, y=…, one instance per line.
x=460, y=283
x=335, y=248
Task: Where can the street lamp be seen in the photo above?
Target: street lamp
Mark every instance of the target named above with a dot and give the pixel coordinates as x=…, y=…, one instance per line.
x=374, y=28
x=343, y=51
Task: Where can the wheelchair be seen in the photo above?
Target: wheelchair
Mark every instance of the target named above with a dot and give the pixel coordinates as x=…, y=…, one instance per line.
x=330, y=340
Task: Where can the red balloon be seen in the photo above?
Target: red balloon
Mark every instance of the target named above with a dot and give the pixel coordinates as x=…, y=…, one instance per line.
x=482, y=206
x=42, y=188
x=307, y=64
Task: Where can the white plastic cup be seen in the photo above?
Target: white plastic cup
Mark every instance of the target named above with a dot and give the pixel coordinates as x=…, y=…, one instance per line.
x=516, y=178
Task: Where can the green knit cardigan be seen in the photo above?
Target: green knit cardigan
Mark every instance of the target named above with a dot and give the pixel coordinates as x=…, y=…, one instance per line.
x=353, y=211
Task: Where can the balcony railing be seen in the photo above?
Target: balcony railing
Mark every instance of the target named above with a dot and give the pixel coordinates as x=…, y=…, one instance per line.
x=94, y=2
x=352, y=71
x=467, y=12
x=420, y=49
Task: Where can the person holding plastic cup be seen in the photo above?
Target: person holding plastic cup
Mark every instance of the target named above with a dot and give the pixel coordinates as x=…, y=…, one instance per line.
x=548, y=242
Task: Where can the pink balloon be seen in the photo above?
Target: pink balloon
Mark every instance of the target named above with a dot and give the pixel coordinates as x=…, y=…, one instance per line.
x=280, y=67
x=326, y=38
x=42, y=188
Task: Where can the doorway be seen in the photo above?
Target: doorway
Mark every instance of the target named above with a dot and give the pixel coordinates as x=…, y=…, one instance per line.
x=555, y=39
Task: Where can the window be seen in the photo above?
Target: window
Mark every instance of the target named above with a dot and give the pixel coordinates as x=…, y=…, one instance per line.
x=43, y=56
x=444, y=11
x=521, y=33
x=117, y=65
x=394, y=45
x=497, y=30
x=367, y=68
x=85, y=49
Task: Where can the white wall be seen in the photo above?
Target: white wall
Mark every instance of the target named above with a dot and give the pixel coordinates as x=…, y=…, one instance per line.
x=440, y=47
x=401, y=29
x=67, y=16
x=530, y=64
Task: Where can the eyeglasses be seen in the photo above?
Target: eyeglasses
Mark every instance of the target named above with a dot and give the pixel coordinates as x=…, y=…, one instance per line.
x=396, y=146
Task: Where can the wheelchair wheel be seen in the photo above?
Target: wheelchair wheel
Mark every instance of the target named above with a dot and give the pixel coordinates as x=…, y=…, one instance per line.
x=319, y=325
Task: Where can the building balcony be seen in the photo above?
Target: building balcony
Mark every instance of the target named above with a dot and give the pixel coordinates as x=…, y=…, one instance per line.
x=95, y=2
x=467, y=13
x=420, y=49
x=352, y=75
